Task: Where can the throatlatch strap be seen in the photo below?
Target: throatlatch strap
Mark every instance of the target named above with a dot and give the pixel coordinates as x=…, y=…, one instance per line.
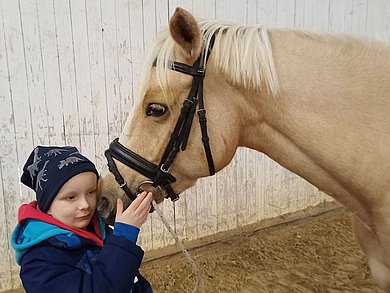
x=203, y=128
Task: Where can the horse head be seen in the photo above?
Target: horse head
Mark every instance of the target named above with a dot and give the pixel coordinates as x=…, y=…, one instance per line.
x=152, y=121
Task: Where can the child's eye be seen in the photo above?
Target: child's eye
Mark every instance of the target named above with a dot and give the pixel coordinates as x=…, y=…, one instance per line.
x=71, y=197
x=92, y=192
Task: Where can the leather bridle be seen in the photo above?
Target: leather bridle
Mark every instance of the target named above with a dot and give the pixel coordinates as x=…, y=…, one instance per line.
x=159, y=174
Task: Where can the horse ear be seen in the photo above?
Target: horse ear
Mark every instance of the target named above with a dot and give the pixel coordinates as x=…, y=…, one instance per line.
x=185, y=31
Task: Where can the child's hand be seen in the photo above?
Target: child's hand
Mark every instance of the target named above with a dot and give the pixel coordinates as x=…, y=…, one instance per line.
x=137, y=212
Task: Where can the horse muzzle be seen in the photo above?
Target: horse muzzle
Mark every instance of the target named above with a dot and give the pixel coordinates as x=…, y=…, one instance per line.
x=147, y=185
x=107, y=207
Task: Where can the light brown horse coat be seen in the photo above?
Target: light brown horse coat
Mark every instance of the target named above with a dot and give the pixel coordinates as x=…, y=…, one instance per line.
x=318, y=104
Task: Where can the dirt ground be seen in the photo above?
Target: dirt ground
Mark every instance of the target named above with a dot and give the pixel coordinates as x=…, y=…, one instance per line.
x=317, y=254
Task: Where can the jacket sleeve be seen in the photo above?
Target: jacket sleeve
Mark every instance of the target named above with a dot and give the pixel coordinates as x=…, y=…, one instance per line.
x=50, y=269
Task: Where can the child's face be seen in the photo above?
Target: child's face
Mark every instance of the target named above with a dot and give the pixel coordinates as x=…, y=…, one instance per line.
x=75, y=203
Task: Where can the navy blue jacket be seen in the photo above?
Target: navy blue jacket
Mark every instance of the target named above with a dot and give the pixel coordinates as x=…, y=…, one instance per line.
x=54, y=259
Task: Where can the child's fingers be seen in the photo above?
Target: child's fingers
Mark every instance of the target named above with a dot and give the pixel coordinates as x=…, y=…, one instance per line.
x=147, y=200
x=137, y=213
x=119, y=208
x=134, y=205
x=144, y=207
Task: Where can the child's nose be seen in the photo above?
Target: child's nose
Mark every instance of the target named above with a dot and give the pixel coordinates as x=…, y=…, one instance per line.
x=84, y=204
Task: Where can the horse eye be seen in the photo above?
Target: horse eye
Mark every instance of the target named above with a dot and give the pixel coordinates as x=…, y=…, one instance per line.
x=155, y=110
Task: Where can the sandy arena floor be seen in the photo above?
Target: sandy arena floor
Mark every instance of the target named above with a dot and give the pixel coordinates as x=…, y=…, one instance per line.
x=318, y=254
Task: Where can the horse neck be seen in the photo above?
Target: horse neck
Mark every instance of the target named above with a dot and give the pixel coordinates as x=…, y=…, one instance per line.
x=331, y=111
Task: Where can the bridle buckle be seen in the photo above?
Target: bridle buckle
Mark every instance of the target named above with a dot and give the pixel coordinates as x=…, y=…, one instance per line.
x=163, y=169
x=123, y=184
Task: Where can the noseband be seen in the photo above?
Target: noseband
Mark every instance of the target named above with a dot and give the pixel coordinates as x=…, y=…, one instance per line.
x=159, y=174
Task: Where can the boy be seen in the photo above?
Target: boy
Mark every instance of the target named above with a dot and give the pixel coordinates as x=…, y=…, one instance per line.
x=61, y=243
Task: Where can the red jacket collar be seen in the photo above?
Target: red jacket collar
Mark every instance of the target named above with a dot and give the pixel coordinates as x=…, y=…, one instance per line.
x=31, y=211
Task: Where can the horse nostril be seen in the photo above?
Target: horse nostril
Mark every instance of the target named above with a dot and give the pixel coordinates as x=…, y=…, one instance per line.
x=147, y=185
x=105, y=210
x=103, y=203
x=104, y=207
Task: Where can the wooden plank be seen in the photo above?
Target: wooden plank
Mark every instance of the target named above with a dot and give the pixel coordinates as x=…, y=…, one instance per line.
x=285, y=14
x=7, y=153
x=270, y=189
x=34, y=71
x=82, y=77
x=206, y=206
x=137, y=31
x=22, y=128
x=386, y=26
x=161, y=15
x=9, y=277
x=125, y=67
x=244, y=192
x=378, y=22
x=149, y=23
x=65, y=45
x=299, y=18
x=316, y=15
x=17, y=78
x=359, y=17
x=51, y=73
x=266, y=13
x=111, y=68
x=5, y=249
x=251, y=188
x=137, y=44
x=251, y=12
x=17, y=127
x=257, y=210
x=97, y=74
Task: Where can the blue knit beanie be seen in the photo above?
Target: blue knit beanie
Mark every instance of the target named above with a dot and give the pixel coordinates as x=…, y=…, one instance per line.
x=49, y=167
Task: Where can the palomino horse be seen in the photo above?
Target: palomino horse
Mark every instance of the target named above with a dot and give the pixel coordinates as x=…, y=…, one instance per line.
x=318, y=104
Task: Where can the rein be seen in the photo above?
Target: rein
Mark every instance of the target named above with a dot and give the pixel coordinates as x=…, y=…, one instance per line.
x=159, y=174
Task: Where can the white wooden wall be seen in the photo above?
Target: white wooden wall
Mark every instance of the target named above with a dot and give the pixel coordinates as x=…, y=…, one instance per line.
x=68, y=75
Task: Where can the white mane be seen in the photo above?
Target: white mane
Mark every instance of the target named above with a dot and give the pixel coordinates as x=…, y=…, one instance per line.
x=242, y=53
